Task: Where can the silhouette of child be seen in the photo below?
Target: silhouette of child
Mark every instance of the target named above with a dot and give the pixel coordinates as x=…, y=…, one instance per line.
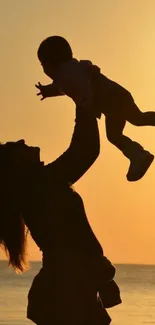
x=83, y=82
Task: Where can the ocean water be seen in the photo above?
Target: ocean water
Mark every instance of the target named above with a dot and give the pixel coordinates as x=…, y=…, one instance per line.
x=137, y=284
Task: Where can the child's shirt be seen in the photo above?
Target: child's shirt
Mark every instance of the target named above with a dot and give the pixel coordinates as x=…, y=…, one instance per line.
x=83, y=82
x=73, y=80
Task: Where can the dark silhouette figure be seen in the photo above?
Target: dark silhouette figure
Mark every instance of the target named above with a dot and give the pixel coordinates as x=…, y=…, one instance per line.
x=75, y=284
x=83, y=82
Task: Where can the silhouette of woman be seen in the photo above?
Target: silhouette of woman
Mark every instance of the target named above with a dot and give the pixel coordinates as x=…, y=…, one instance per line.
x=41, y=198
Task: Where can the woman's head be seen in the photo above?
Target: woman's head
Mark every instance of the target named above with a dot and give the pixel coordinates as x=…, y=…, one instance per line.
x=16, y=161
x=18, y=155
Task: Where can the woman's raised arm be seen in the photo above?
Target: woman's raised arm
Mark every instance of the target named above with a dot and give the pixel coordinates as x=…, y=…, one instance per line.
x=82, y=152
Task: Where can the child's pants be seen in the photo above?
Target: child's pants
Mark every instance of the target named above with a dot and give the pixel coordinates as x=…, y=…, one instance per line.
x=122, y=109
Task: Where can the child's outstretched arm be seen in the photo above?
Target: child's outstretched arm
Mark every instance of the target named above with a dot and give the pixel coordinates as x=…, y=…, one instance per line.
x=50, y=90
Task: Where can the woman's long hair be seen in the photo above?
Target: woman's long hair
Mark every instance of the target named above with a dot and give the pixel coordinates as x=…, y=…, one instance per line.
x=13, y=233
x=13, y=237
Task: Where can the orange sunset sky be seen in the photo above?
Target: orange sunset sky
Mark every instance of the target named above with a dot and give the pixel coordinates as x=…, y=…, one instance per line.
x=119, y=36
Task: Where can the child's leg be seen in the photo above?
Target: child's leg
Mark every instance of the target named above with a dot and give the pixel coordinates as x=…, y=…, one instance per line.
x=114, y=128
x=140, y=159
x=134, y=116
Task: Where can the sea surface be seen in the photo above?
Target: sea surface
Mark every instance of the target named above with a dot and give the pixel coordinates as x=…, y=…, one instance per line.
x=137, y=284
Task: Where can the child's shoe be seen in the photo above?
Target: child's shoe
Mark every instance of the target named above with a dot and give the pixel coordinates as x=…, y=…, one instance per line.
x=139, y=165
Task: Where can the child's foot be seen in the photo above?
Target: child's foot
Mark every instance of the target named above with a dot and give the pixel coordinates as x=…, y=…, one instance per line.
x=139, y=165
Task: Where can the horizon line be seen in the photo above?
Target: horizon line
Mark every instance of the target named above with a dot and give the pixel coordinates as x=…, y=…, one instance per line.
x=115, y=263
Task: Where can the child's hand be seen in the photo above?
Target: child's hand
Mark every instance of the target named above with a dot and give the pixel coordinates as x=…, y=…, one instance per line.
x=50, y=90
x=43, y=91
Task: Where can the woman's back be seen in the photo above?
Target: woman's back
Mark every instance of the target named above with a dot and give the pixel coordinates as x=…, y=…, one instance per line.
x=57, y=221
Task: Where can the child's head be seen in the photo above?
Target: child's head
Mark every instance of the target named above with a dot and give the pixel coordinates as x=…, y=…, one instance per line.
x=53, y=52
